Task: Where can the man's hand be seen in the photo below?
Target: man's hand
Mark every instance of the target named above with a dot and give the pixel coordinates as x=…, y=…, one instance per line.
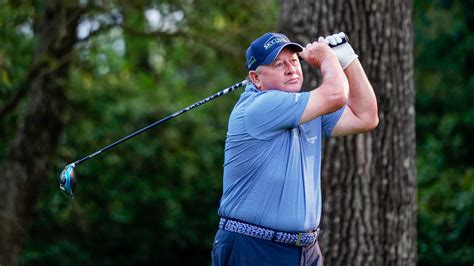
x=317, y=52
x=344, y=52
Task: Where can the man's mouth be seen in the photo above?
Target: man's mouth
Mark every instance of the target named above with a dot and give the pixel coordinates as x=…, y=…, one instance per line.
x=292, y=81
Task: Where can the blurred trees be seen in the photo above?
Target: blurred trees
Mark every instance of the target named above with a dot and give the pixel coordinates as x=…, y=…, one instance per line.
x=444, y=56
x=40, y=124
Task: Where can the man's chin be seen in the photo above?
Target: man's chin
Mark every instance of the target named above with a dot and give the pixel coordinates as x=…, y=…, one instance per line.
x=293, y=88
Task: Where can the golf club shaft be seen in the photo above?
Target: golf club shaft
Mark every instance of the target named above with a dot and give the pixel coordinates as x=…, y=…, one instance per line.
x=184, y=110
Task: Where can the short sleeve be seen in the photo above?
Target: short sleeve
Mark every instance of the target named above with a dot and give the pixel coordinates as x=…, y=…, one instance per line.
x=274, y=110
x=329, y=121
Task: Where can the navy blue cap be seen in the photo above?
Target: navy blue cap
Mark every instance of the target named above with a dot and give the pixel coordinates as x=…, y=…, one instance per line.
x=264, y=49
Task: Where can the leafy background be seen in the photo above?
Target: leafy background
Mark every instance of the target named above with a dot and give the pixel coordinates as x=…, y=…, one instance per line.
x=153, y=200
x=444, y=55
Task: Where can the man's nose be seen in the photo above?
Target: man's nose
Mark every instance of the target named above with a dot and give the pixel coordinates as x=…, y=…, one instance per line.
x=290, y=68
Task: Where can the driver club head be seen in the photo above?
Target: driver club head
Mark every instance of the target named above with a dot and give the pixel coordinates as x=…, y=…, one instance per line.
x=67, y=180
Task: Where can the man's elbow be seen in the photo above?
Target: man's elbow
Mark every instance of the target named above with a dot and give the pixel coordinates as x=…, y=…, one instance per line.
x=370, y=122
x=374, y=116
x=374, y=122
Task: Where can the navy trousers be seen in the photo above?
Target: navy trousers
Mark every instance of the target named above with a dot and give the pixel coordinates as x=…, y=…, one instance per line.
x=233, y=249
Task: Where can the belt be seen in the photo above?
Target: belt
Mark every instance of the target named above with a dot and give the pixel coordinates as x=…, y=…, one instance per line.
x=297, y=239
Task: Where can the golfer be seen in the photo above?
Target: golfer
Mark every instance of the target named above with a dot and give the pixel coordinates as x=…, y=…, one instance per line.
x=271, y=204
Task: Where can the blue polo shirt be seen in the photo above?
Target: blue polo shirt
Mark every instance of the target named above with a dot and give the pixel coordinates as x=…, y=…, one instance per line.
x=272, y=164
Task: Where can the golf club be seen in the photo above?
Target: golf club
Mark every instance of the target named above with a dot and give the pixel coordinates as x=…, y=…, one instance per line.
x=67, y=180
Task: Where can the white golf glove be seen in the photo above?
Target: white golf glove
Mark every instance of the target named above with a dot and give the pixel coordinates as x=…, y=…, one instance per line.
x=344, y=52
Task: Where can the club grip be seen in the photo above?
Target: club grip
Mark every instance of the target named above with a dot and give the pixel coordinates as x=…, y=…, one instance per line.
x=344, y=40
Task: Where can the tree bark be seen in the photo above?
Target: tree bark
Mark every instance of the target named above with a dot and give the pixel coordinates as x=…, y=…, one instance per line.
x=26, y=165
x=369, y=180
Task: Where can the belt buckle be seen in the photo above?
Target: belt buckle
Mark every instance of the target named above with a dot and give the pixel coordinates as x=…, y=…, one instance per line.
x=298, y=241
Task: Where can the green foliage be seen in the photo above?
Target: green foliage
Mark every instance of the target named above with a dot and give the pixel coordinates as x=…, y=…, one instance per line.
x=446, y=205
x=444, y=55
x=16, y=50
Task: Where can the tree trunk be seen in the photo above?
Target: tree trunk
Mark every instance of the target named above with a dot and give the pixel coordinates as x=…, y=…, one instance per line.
x=26, y=165
x=369, y=180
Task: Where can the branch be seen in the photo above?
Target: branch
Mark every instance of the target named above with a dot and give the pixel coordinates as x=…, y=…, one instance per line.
x=224, y=48
x=20, y=92
x=13, y=102
x=38, y=70
x=117, y=21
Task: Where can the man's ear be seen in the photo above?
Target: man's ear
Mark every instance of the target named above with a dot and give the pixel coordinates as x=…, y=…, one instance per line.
x=253, y=75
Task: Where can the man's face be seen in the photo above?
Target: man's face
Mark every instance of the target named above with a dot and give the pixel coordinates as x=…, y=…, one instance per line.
x=284, y=73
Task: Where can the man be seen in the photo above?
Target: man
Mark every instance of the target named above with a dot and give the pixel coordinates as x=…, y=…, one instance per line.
x=271, y=204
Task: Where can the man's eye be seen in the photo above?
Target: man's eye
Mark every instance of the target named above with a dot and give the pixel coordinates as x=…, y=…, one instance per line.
x=279, y=65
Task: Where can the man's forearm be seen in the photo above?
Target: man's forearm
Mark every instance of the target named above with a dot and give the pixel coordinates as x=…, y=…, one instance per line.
x=361, y=98
x=333, y=91
x=333, y=75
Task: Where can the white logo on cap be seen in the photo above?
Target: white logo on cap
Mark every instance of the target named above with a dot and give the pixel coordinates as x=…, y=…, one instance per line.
x=274, y=40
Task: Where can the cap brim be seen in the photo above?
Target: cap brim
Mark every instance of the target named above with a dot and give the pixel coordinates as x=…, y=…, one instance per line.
x=274, y=54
